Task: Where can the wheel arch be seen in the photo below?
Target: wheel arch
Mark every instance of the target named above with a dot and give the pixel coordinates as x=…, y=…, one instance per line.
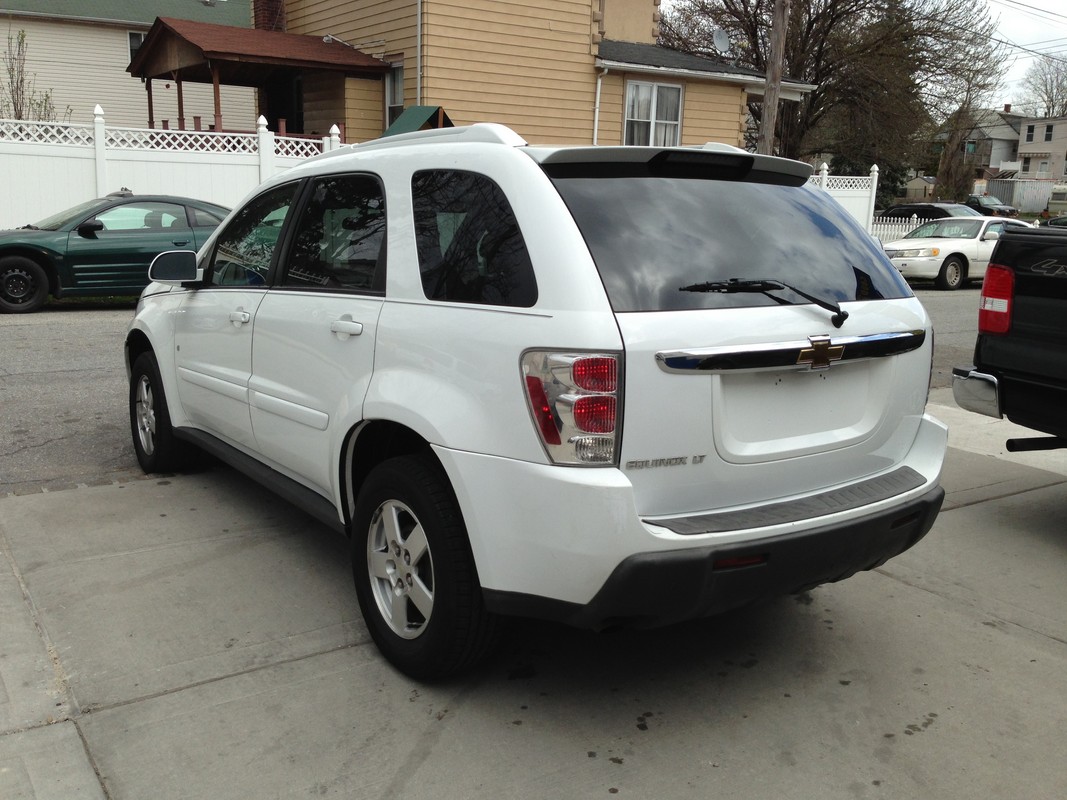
x=137, y=342
x=41, y=259
x=370, y=443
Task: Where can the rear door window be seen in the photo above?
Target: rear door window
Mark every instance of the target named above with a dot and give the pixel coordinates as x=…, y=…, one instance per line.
x=651, y=237
x=469, y=244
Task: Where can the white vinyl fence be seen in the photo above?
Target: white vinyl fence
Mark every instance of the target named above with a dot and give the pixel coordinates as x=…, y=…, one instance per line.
x=855, y=192
x=47, y=167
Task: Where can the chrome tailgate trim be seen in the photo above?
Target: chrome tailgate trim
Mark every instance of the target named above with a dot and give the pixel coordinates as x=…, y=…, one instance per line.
x=816, y=352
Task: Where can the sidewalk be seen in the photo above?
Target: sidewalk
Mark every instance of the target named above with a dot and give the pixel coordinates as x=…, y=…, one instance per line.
x=194, y=637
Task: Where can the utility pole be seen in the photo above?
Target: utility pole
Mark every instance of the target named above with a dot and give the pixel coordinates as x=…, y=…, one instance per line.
x=765, y=142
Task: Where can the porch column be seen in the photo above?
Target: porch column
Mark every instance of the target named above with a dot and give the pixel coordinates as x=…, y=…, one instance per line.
x=181, y=102
x=218, y=96
x=151, y=108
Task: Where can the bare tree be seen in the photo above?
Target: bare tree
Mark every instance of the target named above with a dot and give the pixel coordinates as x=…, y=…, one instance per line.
x=19, y=98
x=1045, y=87
x=900, y=59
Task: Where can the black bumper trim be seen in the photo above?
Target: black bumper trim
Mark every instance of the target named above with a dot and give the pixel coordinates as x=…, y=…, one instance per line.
x=653, y=589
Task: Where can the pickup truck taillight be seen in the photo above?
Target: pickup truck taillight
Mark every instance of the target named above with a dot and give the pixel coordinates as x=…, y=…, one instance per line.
x=574, y=401
x=998, y=292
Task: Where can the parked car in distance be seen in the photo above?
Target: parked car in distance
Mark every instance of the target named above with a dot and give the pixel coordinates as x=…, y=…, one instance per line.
x=950, y=251
x=925, y=211
x=99, y=247
x=990, y=206
x=570, y=383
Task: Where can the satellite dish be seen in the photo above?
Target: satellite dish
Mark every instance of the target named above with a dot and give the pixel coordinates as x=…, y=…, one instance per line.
x=720, y=40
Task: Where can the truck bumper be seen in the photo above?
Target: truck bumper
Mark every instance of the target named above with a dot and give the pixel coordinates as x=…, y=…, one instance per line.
x=976, y=391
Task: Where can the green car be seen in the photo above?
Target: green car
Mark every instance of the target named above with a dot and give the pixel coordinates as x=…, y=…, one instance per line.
x=100, y=247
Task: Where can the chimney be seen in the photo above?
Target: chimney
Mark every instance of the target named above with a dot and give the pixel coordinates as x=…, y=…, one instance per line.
x=1007, y=108
x=268, y=15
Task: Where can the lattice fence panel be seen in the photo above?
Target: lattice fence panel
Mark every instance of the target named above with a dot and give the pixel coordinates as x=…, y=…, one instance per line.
x=848, y=183
x=291, y=147
x=181, y=141
x=16, y=130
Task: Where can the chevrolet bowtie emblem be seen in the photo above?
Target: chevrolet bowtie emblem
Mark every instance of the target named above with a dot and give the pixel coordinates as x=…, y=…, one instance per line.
x=821, y=352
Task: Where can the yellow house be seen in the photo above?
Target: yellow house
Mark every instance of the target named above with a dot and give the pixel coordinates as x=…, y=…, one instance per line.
x=558, y=71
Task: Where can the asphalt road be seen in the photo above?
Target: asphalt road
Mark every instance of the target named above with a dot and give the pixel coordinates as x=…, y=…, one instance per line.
x=63, y=391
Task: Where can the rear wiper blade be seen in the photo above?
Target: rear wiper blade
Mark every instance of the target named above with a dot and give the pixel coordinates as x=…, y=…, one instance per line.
x=763, y=287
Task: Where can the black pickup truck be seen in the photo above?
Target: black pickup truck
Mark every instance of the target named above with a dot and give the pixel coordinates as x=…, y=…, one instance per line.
x=1020, y=358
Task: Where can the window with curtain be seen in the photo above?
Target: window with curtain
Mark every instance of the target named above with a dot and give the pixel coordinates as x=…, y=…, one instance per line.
x=653, y=114
x=394, y=93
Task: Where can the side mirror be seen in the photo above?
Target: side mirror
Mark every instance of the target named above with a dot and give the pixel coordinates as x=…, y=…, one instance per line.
x=991, y=236
x=88, y=230
x=175, y=268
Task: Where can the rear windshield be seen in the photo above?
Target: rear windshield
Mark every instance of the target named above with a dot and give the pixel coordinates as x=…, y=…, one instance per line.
x=652, y=236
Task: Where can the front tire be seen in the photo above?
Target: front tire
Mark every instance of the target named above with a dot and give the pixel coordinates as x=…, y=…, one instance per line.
x=23, y=285
x=952, y=274
x=415, y=577
x=154, y=442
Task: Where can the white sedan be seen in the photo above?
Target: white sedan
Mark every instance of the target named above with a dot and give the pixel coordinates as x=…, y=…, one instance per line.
x=950, y=250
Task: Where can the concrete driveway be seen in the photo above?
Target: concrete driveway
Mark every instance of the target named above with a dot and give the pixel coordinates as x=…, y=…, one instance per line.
x=193, y=637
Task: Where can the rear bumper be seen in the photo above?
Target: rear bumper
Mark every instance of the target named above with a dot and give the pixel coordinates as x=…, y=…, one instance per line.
x=976, y=391
x=652, y=589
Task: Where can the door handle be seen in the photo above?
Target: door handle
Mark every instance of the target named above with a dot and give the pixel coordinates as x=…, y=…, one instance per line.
x=345, y=327
x=239, y=317
x=181, y=243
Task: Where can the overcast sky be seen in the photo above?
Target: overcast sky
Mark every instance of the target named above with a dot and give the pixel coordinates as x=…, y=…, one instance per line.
x=1037, y=25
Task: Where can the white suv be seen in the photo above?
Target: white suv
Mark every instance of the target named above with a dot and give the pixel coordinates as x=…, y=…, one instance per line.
x=600, y=385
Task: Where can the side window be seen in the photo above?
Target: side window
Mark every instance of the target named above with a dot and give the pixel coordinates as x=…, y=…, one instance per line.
x=141, y=217
x=204, y=219
x=340, y=236
x=469, y=244
x=244, y=250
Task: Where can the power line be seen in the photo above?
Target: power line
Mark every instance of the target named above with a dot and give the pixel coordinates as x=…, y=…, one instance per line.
x=1038, y=13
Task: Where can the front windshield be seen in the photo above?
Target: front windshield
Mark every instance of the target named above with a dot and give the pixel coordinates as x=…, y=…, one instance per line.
x=57, y=221
x=949, y=228
x=989, y=200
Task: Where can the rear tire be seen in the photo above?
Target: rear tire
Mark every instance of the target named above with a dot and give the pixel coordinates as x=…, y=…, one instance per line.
x=415, y=577
x=154, y=442
x=952, y=275
x=23, y=285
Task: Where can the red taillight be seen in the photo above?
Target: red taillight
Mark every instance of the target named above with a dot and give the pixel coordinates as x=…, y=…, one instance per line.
x=595, y=413
x=542, y=410
x=575, y=401
x=998, y=292
x=595, y=374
